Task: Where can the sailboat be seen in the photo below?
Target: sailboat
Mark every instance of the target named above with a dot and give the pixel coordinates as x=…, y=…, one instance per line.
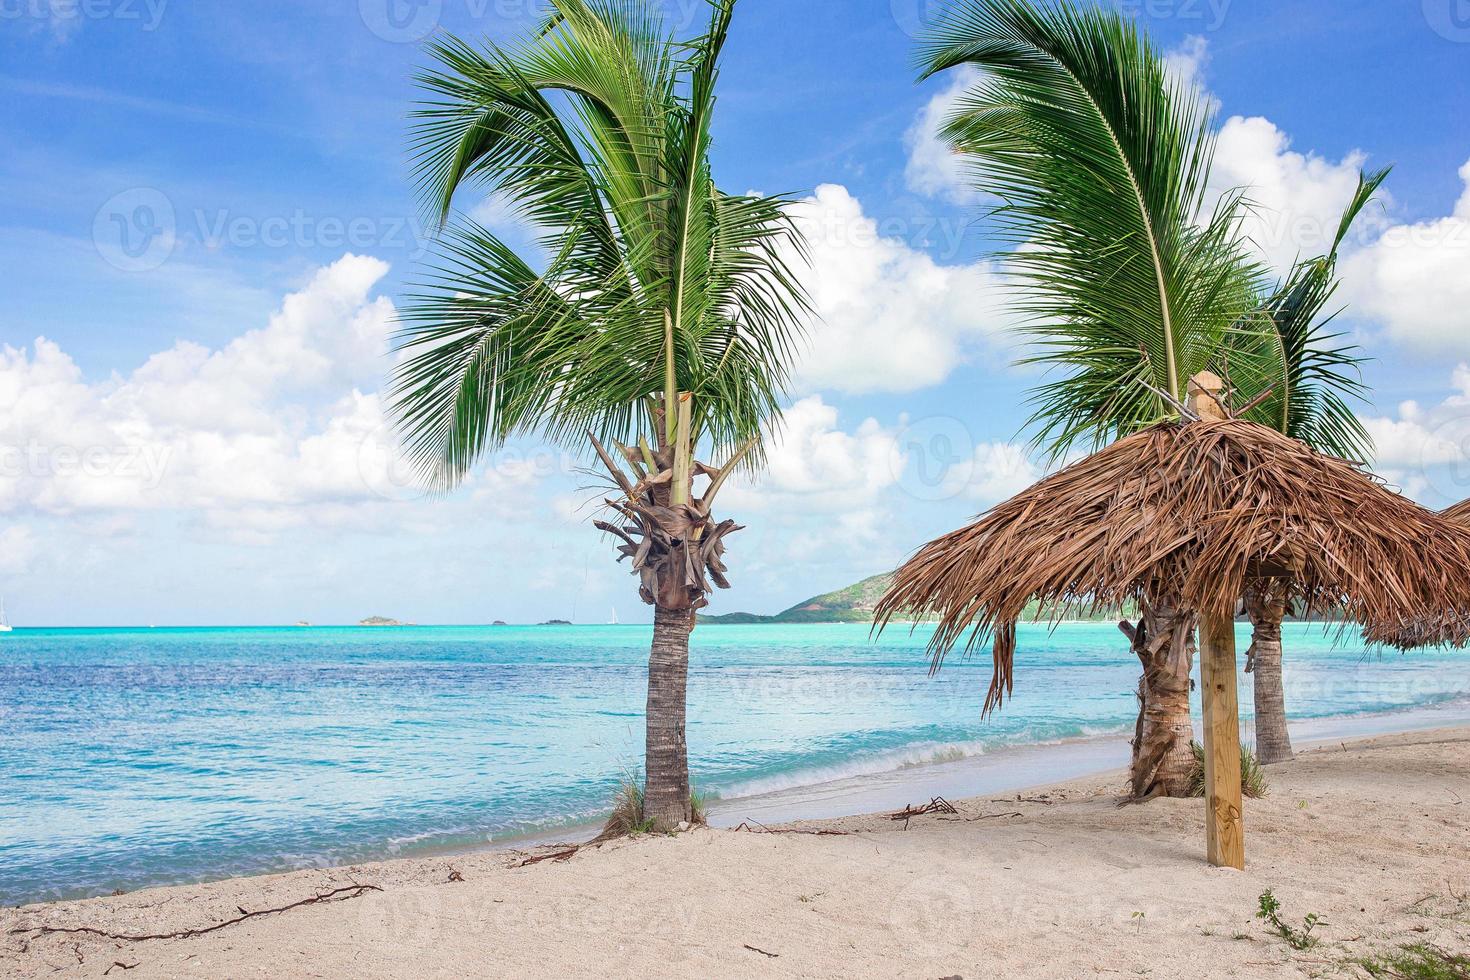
x=614, y=620
x=4, y=623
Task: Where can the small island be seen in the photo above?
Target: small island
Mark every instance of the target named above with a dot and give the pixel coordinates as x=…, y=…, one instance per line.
x=380, y=621
x=557, y=622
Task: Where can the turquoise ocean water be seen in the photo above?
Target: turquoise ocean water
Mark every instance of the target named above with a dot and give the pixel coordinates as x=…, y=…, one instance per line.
x=136, y=757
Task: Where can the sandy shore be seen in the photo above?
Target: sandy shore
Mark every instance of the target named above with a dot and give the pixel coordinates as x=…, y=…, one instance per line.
x=1373, y=836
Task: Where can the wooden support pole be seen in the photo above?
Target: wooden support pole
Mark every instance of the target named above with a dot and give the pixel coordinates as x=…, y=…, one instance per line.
x=1224, y=825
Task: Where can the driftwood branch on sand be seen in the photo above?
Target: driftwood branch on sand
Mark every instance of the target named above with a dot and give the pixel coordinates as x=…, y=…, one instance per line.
x=335, y=895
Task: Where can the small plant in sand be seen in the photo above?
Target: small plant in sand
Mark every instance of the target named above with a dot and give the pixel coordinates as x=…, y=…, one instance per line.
x=1252, y=776
x=1420, y=961
x=628, y=817
x=1270, y=912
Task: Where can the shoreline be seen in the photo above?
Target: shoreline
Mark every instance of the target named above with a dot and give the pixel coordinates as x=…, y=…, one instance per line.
x=1367, y=834
x=1005, y=769
x=1010, y=769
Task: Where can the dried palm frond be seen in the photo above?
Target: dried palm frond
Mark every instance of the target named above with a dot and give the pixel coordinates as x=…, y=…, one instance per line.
x=1208, y=506
x=1458, y=512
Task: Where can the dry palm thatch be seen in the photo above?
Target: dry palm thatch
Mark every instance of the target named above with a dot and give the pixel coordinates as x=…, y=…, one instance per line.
x=1459, y=512
x=1209, y=506
x=1441, y=629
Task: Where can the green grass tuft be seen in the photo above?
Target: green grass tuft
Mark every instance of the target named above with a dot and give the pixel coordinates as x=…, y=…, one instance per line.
x=1420, y=961
x=627, y=816
x=1252, y=777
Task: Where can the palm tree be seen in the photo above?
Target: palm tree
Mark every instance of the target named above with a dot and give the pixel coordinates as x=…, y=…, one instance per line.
x=1099, y=161
x=1303, y=379
x=658, y=317
x=1100, y=164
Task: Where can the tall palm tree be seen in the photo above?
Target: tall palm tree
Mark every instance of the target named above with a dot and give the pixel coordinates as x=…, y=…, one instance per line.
x=1305, y=379
x=658, y=316
x=1099, y=161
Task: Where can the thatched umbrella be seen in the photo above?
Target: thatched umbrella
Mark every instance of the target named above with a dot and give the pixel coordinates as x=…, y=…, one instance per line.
x=1208, y=505
x=1444, y=627
x=1458, y=512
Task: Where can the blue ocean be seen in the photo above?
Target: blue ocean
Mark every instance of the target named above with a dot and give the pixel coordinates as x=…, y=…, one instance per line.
x=137, y=757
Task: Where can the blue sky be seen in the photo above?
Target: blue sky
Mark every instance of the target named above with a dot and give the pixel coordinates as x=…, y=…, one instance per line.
x=207, y=223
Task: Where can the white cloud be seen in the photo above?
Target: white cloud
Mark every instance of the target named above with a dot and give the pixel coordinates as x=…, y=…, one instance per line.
x=1412, y=278
x=933, y=169
x=1415, y=280
x=1002, y=470
x=1298, y=198
x=831, y=496
x=1186, y=64
x=821, y=500
x=891, y=318
x=18, y=548
x=280, y=426
x=814, y=465
x=1426, y=451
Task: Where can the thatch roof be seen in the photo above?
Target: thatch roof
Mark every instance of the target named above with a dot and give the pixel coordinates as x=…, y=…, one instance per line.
x=1458, y=512
x=1206, y=506
x=1426, y=631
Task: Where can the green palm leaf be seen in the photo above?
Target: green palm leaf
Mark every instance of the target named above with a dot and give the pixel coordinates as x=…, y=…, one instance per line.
x=1100, y=162
x=1306, y=376
x=648, y=280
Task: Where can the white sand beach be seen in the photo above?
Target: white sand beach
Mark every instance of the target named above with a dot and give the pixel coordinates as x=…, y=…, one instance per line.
x=1370, y=835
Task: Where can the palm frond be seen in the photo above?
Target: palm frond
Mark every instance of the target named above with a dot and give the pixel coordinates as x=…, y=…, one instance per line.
x=1100, y=162
x=1313, y=375
x=596, y=129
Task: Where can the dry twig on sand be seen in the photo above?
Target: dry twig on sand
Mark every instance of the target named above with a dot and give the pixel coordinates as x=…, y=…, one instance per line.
x=336, y=894
x=760, y=828
x=937, y=804
x=565, y=855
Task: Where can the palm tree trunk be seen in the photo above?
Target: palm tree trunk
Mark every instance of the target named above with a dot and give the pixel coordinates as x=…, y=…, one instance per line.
x=666, y=769
x=1164, y=642
x=1266, y=611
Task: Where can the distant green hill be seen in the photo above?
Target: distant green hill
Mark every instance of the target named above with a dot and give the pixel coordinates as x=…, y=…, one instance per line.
x=853, y=604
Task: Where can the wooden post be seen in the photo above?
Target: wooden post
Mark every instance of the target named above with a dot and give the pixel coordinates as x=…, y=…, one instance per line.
x=1224, y=827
